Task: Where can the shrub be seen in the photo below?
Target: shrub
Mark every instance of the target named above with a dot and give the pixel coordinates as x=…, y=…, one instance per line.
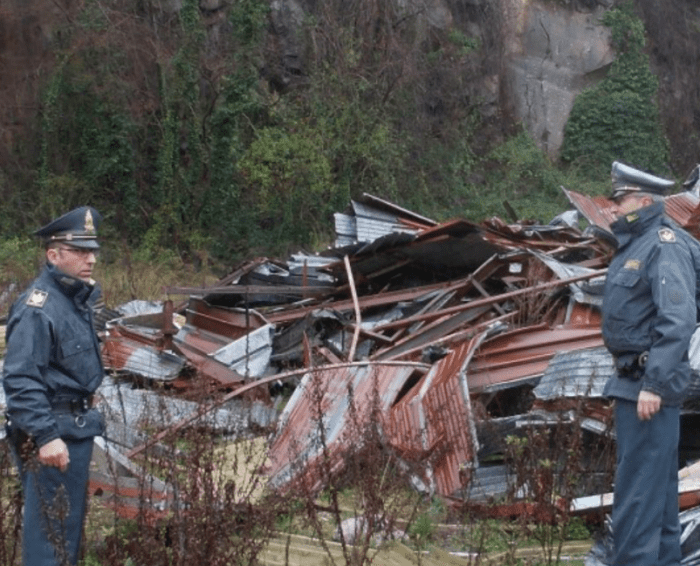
x=618, y=119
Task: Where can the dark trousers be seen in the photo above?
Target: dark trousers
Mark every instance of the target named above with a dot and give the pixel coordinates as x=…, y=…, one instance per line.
x=646, y=529
x=54, y=507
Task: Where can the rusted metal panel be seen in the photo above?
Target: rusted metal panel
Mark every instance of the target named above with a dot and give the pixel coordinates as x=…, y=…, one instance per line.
x=683, y=208
x=594, y=209
x=435, y=419
x=229, y=322
x=525, y=353
x=325, y=396
x=135, y=350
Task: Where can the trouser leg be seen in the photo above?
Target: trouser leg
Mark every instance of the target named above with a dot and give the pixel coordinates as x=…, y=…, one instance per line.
x=669, y=547
x=54, y=507
x=647, y=459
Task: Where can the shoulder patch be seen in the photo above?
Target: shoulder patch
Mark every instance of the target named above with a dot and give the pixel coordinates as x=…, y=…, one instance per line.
x=667, y=235
x=37, y=298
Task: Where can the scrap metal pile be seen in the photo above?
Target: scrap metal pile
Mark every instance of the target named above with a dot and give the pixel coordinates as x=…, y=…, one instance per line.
x=461, y=333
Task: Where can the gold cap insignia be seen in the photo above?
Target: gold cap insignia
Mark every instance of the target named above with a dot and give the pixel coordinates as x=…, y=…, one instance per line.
x=667, y=235
x=89, y=223
x=633, y=264
x=631, y=217
x=37, y=298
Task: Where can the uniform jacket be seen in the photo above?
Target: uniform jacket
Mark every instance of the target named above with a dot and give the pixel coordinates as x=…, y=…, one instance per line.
x=650, y=303
x=53, y=356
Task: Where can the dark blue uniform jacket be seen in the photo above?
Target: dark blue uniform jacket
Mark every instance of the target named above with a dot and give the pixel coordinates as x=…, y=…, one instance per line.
x=53, y=356
x=650, y=303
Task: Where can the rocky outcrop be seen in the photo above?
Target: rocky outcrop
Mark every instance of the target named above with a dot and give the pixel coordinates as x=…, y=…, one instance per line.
x=550, y=51
x=555, y=51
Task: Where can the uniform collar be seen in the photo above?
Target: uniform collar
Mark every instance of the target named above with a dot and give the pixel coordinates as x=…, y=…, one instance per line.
x=73, y=287
x=639, y=221
x=630, y=226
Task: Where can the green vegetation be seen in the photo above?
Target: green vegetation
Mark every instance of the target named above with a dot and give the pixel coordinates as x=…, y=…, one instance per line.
x=213, y=153
x=618, y=119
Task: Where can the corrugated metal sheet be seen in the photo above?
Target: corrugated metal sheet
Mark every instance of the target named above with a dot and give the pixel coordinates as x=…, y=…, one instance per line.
x=298, y=442
x=524, y=354
x=405, y=214
x=684, y=208
x=250, y=355
x=372, y=223
x=123, y=354
x=578, y=373
x=374, y=218
x=345, y=230
x=594, y=209
x=435, y=418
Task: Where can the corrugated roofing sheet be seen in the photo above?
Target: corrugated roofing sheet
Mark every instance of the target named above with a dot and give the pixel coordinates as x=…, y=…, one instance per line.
x=435, y=418
x=525, y=353
x=683, y=208
x=326, y=395
x=578, y=373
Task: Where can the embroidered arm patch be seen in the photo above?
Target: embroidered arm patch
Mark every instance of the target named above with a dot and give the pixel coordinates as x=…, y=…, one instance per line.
x=667, y=235
x=37, y=298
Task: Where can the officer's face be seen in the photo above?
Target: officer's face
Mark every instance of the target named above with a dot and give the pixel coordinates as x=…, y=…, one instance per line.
x=76, y=262
x=629, y=202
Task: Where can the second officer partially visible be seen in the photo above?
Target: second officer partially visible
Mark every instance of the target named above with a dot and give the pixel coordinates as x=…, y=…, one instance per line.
x=649, y=316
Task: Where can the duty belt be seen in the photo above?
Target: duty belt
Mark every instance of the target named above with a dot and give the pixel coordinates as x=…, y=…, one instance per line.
x=76, y=405
x=631, y=364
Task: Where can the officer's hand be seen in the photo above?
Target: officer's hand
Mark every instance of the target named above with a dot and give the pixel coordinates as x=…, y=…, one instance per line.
x=55, y=453
x=648, y=404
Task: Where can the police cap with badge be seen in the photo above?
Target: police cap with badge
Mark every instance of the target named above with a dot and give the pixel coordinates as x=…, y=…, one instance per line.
x=626, y=179
x=77, y=228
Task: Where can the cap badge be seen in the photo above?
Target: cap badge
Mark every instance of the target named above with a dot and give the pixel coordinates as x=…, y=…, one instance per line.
x=632, y=217
x=89, y=223
x=667, y=235
x=37, y=298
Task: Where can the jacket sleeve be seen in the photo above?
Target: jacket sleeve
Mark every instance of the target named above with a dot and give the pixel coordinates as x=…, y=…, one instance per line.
x=29, y=342
x=673, y=286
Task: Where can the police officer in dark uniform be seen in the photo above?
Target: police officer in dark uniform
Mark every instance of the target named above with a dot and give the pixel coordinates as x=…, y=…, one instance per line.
x=51, y=371
x=649, y=315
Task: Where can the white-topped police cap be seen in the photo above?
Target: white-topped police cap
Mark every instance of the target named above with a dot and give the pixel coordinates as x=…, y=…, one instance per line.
x=77, y=228
x=626, y=179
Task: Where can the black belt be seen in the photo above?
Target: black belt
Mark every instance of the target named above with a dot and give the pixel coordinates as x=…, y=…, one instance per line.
x=631, y=364
x=76, y=405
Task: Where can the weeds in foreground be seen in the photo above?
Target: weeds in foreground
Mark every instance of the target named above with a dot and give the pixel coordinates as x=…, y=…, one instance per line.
x=10, y=509
x=362, y=495
x=362, y=483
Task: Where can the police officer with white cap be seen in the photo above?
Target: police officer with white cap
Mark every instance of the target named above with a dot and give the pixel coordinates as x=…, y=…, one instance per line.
x=51, y=371
x=649, y=315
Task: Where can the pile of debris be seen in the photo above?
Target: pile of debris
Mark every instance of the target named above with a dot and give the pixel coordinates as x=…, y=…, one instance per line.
x=462, y=333
x=460, y=328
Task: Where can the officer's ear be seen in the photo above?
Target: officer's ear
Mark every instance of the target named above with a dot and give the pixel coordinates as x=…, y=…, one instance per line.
x=51, y=255
x=646, y=200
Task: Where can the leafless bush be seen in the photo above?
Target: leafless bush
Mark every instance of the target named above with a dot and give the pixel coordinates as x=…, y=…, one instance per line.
x=549, y=463
x=10, y=509
x=218, y=510
x=359, y=494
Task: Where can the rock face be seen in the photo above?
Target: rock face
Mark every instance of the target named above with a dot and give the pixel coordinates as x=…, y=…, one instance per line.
x=552, y=49
x=555, y=52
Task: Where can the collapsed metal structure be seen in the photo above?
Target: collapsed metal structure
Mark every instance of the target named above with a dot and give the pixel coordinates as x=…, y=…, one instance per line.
x=451, y=335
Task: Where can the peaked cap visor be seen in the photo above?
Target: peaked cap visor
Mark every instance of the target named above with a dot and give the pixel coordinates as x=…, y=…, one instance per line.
x=626, y=179
x=77, y=228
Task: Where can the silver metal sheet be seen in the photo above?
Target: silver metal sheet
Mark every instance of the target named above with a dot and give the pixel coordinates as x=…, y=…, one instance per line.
x=578, y=373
